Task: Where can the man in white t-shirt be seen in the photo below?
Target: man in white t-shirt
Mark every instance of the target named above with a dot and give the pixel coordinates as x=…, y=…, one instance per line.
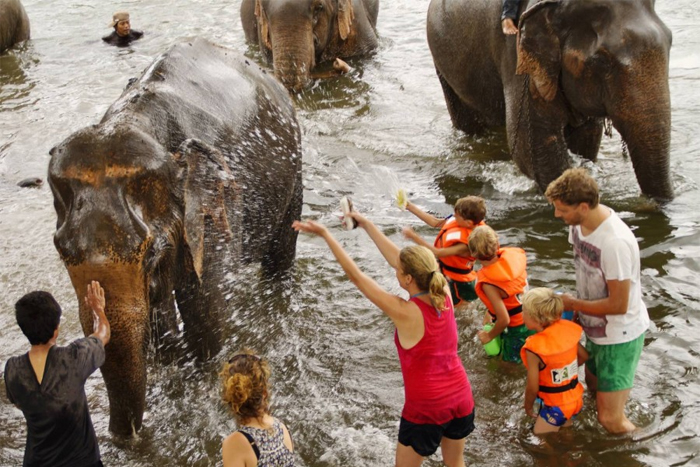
x=609, y=304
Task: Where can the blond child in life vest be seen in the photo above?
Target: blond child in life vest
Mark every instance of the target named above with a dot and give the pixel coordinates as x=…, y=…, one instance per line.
x=500, y=283
x=552, y=357
x=451, y=244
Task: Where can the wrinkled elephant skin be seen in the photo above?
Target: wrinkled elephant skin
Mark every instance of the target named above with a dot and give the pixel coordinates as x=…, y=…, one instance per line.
x=14, y=24
x=193, y=171
x=573, y=64
x=296, y=35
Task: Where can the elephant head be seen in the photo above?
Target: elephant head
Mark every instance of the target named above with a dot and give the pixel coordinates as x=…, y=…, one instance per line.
x=136, y=217
x=596, y=59
x=296, y=35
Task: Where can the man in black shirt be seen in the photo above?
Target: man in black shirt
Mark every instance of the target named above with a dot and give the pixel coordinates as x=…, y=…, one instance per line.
x=48, y=383
x=122, y=35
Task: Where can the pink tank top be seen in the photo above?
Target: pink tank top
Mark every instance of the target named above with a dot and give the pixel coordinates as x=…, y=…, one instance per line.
x=436, y=386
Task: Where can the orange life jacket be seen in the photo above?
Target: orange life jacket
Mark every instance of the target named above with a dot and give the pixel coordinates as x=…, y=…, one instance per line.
x=457, y=268
x=557, y=346
x=509, y=275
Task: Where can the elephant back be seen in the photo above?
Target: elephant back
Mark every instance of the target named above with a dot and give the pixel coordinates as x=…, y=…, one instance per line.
x=199, y=88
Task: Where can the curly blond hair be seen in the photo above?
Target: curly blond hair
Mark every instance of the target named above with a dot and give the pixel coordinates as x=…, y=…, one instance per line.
x=244, y=381
x=543, y=306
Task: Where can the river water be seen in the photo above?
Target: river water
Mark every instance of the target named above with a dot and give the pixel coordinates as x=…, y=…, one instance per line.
x=337, y=381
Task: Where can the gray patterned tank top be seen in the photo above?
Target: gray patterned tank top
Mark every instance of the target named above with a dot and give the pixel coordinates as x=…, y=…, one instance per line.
x=273, y=452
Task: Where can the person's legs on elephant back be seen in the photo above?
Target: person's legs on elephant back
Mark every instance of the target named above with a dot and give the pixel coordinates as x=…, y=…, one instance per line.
x=509, y=16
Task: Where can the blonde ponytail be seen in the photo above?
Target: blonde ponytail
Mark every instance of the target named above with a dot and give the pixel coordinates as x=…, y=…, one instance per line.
x=420, y=263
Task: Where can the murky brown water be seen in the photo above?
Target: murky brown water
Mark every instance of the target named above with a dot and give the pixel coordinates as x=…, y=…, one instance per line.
x=336, y=374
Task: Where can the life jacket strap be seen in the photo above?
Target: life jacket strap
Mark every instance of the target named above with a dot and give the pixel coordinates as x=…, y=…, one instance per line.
x=559, y=389
x=447, y=267
x=515, y=311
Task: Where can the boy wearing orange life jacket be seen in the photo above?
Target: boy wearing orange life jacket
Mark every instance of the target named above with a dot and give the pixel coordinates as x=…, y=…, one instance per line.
x=552, y=357
x=451, y=244
x=500, y=283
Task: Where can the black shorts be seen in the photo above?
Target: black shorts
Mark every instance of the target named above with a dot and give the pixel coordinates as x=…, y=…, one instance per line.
x=425, y=438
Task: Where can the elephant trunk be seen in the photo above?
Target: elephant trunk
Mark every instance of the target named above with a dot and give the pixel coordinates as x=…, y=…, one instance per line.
x=643, y=119
x=293, y=55
x=124, y=370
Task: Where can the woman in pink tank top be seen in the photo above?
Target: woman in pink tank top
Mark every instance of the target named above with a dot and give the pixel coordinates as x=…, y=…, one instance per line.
x=439, y=409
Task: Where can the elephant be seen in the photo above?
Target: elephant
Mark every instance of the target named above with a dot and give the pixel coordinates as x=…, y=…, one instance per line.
x=572, y=65
x=14, y=24
x=296, y=35
x=194, y=171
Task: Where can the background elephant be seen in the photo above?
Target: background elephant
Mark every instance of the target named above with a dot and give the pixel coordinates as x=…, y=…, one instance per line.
x=194, y=169
x=14, y=24
x=296, y=35
x=577, y=62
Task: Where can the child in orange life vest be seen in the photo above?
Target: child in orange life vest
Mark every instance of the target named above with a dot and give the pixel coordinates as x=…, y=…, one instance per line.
x=552, y=357
x=451, y=244
x=500, y=283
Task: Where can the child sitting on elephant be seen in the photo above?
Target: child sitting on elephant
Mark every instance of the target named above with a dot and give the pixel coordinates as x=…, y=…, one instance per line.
x=509, y=17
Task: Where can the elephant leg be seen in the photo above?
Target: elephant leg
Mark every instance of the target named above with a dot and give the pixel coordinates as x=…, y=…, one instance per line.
x=463, y=117
x=584, y=140
x=201, y=301
x=164, y=329
x=282, y=250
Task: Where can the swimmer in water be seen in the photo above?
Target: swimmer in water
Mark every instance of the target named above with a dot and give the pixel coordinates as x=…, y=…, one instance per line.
x=122, y=35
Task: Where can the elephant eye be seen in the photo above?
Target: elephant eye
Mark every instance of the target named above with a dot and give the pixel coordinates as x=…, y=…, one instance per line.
x=318, y=8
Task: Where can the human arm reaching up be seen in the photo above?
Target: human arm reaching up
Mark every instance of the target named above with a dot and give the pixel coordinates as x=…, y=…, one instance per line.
x=429, y=219
x=386, y=247
x=95, y=300
x=403, y=313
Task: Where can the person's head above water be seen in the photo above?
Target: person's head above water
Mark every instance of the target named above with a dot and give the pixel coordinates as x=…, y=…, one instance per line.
x=244, y=380
x=121, y=23
x=417, y=263
x=38, y=315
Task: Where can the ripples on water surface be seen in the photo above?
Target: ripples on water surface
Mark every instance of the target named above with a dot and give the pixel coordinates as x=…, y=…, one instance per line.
x=336, y=374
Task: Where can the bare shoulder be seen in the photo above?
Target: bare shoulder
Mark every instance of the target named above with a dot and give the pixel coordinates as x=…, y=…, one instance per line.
x=237, y=451
x=287, y=437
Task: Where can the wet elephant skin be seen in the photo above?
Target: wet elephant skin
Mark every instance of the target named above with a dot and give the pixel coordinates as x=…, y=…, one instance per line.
x=194, y=170
x=572, y=64
x=14, y=24
x=296, y=35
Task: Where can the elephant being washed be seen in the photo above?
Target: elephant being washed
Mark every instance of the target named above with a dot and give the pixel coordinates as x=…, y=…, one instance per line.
x=573, y=64
x=14, y=24
x=195, y=169
x=296, y=35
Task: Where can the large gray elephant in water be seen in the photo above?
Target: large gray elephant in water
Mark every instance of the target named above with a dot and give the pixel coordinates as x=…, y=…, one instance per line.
x=195, y=169
x=14, y=24
x=296, y=35
x=573, y=64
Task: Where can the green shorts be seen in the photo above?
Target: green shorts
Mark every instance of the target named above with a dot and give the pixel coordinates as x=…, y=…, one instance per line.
x=462, y=291
x=513, y=340
x=614, y=365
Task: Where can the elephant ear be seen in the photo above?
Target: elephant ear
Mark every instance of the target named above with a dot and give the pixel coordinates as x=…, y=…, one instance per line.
x=346, y=16
x=263, y=24
x=207, y=182
x=539, y=50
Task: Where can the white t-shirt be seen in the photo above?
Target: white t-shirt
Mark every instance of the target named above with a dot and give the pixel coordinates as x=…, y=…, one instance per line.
x=610, y=252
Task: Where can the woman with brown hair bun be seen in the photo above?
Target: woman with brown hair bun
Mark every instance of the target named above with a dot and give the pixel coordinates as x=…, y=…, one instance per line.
x=261, y=439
